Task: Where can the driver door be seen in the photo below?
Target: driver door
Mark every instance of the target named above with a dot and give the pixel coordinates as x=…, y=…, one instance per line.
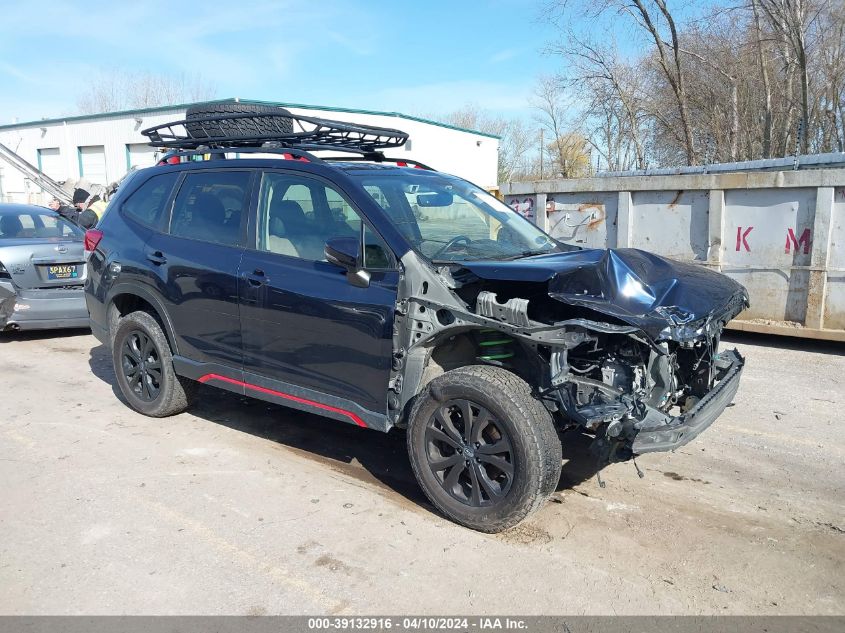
x=306, y=330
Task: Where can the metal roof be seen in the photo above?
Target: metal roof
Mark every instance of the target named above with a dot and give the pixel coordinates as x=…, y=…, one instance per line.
x=182, y=106
x=806, y=161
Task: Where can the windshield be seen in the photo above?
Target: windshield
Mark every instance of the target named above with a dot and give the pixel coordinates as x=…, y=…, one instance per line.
x=36, y=225
x=450, y=220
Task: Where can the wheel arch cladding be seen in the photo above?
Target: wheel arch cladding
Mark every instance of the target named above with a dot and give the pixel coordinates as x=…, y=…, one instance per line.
x=127, y=301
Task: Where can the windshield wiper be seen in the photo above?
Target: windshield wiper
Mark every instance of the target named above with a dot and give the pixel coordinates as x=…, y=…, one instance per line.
x=528, y=253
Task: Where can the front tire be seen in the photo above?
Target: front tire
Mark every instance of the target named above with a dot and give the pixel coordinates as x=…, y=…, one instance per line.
x=143, y=365
x=483, y=449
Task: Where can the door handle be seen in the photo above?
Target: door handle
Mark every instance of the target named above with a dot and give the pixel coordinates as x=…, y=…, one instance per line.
x=256, y=278
x=156, y=257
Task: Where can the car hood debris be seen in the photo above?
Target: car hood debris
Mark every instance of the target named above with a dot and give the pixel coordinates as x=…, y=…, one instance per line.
x=663, y=298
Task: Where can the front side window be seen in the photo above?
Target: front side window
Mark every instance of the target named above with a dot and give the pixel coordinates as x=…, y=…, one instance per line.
x=449, y=220
x=146, y=204
x=299, y=214
x=211, y=205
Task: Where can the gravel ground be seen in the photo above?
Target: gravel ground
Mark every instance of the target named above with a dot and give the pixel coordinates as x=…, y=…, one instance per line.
x=240, y=507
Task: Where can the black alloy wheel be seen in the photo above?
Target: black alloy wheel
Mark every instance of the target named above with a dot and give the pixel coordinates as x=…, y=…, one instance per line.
x=141, y=364
x=483, y=449
x=470, y=453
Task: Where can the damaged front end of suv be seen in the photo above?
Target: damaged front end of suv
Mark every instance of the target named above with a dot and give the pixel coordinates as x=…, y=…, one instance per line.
x=620, y=343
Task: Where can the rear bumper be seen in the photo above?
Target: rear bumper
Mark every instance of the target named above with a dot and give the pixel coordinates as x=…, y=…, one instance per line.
x=677, y=431
x=43, y=309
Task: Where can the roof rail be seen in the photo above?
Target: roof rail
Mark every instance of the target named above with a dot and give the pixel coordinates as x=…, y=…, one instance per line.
x=256, y=129
x=399, y=162
x=202, y=151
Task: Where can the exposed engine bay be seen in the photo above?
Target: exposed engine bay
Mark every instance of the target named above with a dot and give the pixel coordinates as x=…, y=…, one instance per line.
x=615, y=386
x=623, y=346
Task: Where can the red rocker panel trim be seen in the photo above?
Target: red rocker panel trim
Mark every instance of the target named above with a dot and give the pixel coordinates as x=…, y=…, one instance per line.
x=317, y=405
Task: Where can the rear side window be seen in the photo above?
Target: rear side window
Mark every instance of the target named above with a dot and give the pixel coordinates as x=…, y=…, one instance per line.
x=35, y=225
x=211, y=206
x=146, y=205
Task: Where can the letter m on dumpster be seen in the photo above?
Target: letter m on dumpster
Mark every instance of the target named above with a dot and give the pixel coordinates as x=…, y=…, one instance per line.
x=791, y=242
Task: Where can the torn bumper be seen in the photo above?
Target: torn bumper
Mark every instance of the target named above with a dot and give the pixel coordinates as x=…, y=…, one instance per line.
x=673, y=432
x=42, y=309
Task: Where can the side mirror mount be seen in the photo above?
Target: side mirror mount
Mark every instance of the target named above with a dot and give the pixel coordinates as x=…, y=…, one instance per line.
x=346, y=253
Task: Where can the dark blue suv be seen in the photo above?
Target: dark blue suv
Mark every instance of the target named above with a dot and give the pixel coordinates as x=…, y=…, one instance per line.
x=385, y=294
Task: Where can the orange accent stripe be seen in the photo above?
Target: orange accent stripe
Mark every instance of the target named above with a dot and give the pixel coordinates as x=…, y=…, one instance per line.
x=318, y=405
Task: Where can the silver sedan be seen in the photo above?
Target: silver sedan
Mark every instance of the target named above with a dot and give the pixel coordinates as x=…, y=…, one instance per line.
x=42, y=270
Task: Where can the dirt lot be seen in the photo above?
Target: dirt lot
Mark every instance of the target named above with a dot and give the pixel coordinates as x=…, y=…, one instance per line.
x=245, y=508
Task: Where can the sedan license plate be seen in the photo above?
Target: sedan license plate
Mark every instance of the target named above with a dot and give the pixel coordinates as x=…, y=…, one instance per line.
x=63, y=272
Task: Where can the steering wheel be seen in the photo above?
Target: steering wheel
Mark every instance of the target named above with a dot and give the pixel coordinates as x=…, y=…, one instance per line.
x=450, y=244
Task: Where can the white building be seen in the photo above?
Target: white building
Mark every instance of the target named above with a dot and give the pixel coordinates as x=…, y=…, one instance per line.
x=101, y=148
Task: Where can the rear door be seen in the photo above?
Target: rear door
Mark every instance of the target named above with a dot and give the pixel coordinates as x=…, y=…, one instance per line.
x=304, y=325
x=196, y=264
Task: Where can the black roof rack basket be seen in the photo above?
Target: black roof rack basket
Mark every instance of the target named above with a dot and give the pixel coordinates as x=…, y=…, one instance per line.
x=273, y=130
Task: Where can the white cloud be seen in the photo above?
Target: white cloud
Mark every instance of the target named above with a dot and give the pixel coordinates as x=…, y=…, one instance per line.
x=504, y=55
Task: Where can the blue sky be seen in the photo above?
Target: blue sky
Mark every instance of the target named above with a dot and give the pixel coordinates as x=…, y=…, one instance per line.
x=423, y=57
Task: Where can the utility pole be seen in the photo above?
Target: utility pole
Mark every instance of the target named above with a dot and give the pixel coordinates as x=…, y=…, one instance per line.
x=541, y=153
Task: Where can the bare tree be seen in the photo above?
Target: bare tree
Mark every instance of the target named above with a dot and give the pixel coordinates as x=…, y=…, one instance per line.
x=764, y=74
x=570, y=156
x=827, y=39
x=120, y=89
x=613, y=90
x=736, y=80
x=515, y=139
x=658, y=23
x=671, y=65
x=548, y=101
x=791, y=21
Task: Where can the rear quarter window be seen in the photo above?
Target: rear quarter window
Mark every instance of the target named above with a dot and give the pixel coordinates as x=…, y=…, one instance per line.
x=147, y=204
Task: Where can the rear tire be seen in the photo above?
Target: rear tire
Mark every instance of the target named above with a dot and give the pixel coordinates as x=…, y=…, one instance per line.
x=491, y=474
x=143, y=365
x=236, y=127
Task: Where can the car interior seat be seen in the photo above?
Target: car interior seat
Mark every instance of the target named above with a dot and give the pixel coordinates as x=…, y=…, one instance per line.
x=290, y=232
x=208, y=220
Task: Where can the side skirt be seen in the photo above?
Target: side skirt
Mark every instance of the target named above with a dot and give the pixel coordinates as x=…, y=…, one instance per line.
x=279, y=392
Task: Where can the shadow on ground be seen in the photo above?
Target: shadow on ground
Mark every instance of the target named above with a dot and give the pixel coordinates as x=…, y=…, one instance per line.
x=364, y=454
x=773, y=341
x=12, y=337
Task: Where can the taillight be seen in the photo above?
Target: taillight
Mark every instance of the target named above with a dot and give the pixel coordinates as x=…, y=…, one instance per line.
x=92, y=238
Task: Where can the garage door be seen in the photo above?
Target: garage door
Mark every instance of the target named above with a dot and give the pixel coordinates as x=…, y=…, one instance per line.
x=50, y=162
x=140, y=155
x=92, y=164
